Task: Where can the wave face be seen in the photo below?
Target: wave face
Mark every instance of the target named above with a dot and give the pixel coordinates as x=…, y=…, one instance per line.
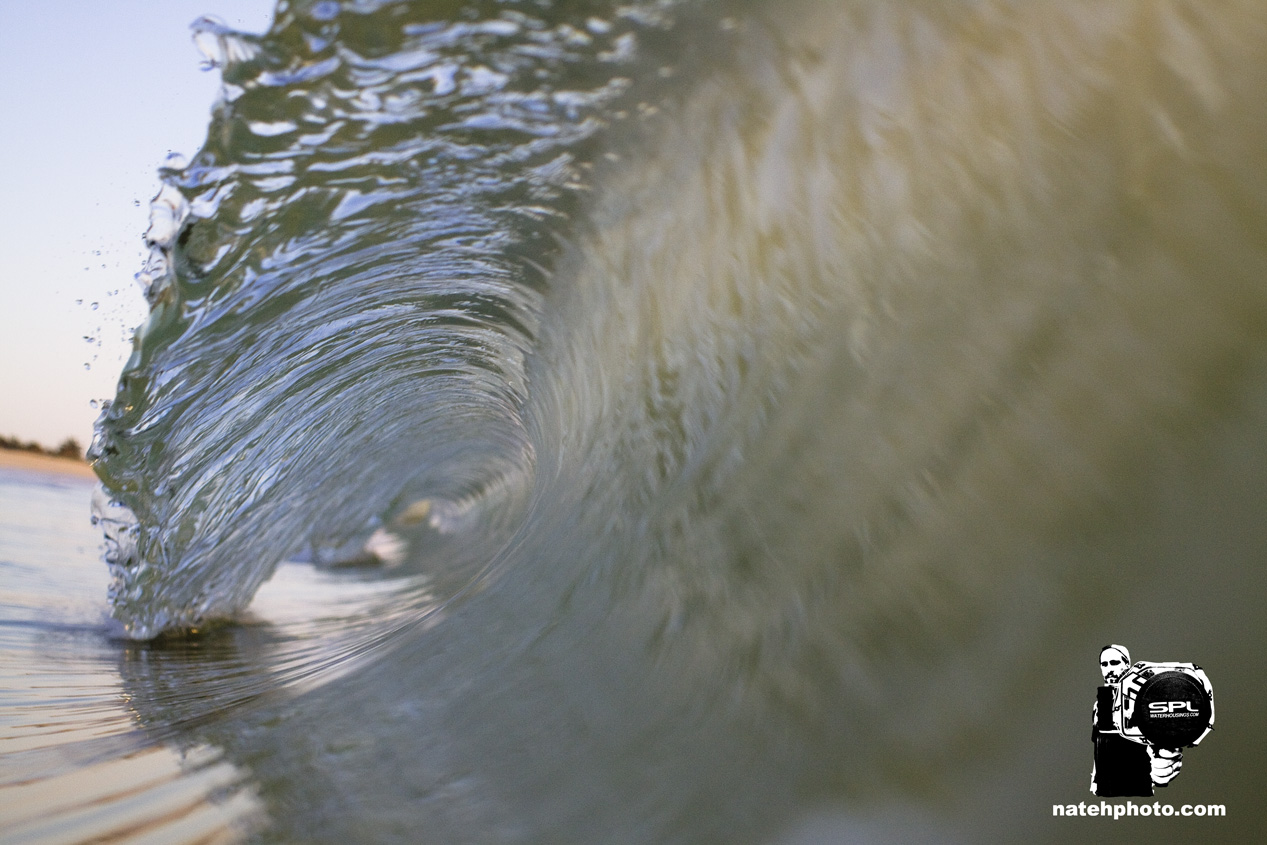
x=717, y=389
x=345, y=281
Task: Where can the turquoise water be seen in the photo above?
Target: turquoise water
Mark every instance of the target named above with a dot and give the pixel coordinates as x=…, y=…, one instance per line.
x=672, y=422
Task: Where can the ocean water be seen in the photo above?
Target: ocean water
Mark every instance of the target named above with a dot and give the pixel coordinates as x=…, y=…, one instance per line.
x=667, y=422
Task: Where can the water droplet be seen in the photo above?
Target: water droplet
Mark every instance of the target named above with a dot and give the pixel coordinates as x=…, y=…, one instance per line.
x=94, y=306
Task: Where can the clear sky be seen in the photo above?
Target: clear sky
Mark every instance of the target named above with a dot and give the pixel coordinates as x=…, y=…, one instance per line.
x=95, y=95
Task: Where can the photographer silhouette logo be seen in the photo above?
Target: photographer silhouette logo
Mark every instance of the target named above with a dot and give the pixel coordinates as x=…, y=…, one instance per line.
x=1144, y=714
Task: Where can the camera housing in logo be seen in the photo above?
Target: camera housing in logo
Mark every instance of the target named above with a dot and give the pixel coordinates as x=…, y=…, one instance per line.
x=1171, y=708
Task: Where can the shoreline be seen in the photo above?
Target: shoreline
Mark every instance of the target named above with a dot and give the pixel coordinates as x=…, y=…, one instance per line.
x=16, y=459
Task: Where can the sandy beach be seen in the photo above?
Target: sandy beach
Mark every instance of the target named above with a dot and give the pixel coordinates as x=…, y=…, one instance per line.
x=14, y=459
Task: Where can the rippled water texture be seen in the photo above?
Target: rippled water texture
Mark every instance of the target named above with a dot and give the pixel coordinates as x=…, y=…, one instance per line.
x=353, y=266
x=73, y=756
x=697, y=421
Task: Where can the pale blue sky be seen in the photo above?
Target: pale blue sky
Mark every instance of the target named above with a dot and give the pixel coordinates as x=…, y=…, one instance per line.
x=95, y=94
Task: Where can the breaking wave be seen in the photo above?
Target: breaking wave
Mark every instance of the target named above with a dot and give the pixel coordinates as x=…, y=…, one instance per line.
x=706, y=375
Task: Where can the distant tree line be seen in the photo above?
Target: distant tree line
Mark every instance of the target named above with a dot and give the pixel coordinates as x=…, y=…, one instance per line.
x=70, y=448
